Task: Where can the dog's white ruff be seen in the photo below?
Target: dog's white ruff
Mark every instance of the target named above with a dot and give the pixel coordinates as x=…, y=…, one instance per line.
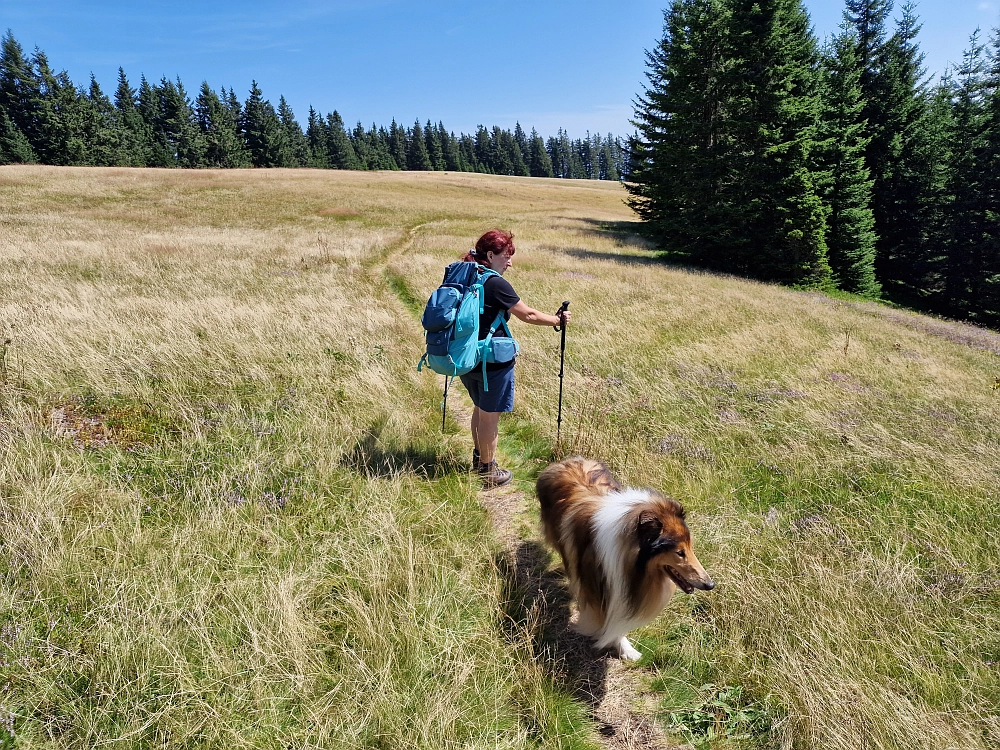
x=607, y=526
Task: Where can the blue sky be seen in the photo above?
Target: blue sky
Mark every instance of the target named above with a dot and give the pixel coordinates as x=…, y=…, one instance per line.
x=549, y=63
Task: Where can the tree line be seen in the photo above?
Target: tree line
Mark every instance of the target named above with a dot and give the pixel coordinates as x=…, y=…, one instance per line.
x=762, y=153
x=46, y=118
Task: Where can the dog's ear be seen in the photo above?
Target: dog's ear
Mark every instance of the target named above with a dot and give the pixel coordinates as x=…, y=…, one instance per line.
x=649, y=528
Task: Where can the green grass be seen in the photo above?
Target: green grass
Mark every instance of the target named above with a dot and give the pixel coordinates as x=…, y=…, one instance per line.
x=229, y=516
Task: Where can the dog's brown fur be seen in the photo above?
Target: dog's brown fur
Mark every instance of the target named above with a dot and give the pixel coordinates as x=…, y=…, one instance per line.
x=625, y=551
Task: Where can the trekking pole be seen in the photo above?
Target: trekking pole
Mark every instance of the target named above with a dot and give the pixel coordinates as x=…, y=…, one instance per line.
x=444, y=404
x=562, y=359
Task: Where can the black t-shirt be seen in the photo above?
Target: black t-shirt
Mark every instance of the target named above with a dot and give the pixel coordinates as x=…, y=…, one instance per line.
x=498, y=295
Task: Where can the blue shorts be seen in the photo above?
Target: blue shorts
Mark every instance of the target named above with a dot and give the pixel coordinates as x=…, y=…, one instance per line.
x=499, y=397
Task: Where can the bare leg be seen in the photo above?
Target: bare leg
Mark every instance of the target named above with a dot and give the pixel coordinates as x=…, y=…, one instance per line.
x=485, y=432
x=475, y=430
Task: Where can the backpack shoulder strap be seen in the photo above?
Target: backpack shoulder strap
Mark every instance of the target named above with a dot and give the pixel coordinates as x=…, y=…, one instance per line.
x=498, y=321
x=485, y=273
x=482, y=274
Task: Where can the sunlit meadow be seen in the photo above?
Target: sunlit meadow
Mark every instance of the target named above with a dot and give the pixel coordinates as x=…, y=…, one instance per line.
x=229, y=516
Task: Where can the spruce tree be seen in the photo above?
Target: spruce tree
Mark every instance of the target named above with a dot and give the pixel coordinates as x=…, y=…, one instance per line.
x=588, y=158
x=61, y=116
x=362, y=146
x=624, y=158
x=467, y=154
x=508, y=158
x=577, y=155
x=232, y=103
x=610, y=158
x=908, y=157
x=539, y=162
x=867, y=19
x=20, y=94
x=521, y=139
x=774, y=113
x=902, y=150
x=398, y=145
x=136, y=135
x=450, y=149
x=846, y=184
x=50, y=107
x=14, y=146
x=501, y=159
x=966, y=225
x=921, y=265
x=316, y=134
x=723, y=170
x=176, y=127
x=989, y=160
x=380, y=140
x=296, y=153
x=224, y=146
x=341, y=153
x=416, y=156
x=435, y=152
x=682, y=176
x=483, y=150
x=101, y=129
x=372, y=148
x=261, y=130
x=157, y=153
x=553, y=147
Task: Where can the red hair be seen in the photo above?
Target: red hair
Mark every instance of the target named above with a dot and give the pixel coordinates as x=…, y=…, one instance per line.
x=494, y=241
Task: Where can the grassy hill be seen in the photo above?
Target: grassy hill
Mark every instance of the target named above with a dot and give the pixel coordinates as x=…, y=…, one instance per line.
x=229, y=517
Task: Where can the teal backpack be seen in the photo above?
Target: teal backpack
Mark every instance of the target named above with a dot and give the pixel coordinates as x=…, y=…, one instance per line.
x=451, y=326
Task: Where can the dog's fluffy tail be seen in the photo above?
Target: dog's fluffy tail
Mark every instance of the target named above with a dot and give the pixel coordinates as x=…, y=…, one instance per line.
x=560, y=484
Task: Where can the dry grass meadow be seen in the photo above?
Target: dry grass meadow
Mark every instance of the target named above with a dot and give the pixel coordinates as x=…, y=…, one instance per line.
x=229, y=516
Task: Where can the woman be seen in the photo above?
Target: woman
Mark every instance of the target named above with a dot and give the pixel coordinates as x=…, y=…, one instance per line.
x=495, y=250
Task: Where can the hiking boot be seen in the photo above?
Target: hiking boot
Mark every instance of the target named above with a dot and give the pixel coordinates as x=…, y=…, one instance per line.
x=475, y=459
x=493, y=476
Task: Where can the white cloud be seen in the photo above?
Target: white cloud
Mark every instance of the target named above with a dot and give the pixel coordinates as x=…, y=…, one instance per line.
x=986, y=6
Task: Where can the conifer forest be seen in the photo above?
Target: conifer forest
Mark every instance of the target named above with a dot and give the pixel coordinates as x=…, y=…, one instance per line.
x=763, y=153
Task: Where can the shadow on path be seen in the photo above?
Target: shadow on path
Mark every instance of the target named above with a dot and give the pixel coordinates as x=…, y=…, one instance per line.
x=538, y=600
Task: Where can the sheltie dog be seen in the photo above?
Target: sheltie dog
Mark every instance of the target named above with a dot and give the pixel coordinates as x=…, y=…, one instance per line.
x=625, y=550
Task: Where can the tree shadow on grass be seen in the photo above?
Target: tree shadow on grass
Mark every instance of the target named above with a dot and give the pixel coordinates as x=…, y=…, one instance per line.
x=537, y=600
x=375, y=456
x=634, y=233
x=631, y=260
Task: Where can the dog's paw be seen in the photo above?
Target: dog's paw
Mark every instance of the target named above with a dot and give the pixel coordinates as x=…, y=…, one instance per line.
x=627, y=651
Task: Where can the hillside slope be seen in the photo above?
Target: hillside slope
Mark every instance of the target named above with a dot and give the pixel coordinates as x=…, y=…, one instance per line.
x=228, y=510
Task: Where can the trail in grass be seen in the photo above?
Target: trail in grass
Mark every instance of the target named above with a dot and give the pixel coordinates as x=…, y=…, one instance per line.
x=612, y=692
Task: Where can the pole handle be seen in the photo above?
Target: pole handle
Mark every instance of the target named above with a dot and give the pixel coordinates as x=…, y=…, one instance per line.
x=559, y=312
